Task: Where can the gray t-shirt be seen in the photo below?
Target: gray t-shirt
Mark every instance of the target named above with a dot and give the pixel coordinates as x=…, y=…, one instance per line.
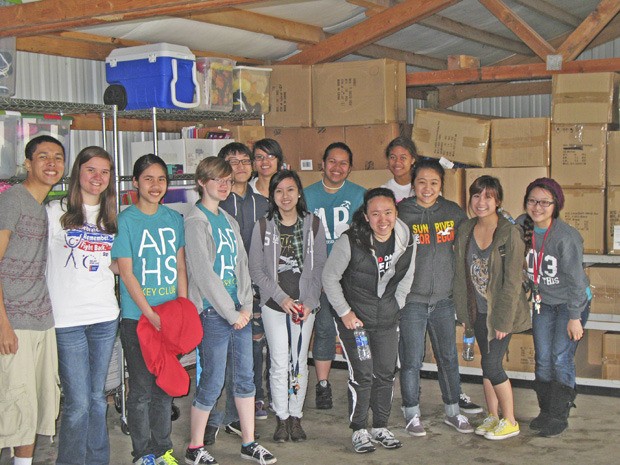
x=22, y=269
x=478, y=263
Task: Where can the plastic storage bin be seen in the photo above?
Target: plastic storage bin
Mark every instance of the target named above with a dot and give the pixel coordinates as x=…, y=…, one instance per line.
x=7, y=66
x=156, y=75
x=215, y=79
x=251, y=89
x=9, y=123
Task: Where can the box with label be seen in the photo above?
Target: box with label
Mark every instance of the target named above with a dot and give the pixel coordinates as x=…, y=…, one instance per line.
x=611, y=346
x=251, y=89
x=359, y=92
x=613, y=158
x=520, y=142
x=181, y=155
x=613, y=220
x=368, y=143
x=585, y=98
x=290, y=96
x=605, y=285
x=514, y=181
x=290, y=142
x=584, y=210
x=456, y=136
x=215, y=82
x=578, y=154
x=520, y=353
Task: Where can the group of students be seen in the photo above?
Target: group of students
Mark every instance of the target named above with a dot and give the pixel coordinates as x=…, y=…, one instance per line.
x=269, y=260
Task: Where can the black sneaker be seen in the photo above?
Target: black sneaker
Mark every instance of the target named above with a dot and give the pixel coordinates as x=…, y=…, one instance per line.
x=257, y=453
x=467, y=406
x=324, y=395
x=199, y=456
x=210, y=435
x=234, y=427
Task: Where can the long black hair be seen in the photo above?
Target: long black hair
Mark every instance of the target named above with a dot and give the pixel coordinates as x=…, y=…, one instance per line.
x=302, y=208
x=360, y=231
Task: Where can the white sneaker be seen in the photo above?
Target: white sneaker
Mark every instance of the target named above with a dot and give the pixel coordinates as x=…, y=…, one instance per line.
x=385, y=437
x=362, y=441
x=414, y=427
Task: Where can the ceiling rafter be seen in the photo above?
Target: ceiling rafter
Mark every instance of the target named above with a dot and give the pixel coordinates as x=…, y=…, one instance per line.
x=551, y=11
x=59, y=15
x=589, y=29
x=519, y=27
x=375, y=28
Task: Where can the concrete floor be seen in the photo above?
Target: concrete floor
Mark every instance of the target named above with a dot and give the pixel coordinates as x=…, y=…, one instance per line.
x=592, y=438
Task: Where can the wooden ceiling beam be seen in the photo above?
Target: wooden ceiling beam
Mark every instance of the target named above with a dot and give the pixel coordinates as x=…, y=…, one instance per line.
x=410, y=58
x=452, y=95
x=455, y=28
x=509, y=73
x=375, y=28
x=589, y=29
x=373, y=6
x=519, y=27
x=94, y=47
x=57, y=15
x=551, y=11
x=279, y=28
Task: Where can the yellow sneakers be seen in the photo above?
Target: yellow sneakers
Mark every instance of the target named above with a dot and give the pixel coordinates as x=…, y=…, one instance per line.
x=503, y=430
x=167, y=459
x=488, y=425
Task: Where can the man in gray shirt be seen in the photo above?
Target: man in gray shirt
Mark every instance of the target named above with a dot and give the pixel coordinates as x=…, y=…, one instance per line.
x=27, y=337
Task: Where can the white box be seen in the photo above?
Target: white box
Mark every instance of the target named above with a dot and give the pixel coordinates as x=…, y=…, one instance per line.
x=182, y=155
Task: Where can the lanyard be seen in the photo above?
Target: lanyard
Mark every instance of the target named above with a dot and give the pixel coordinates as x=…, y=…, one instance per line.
x=538, y=258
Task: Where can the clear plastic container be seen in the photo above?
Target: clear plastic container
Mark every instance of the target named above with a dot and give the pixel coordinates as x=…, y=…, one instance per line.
x=9, y=122
x=215, y=81
x=251, y=89
x=7, y=66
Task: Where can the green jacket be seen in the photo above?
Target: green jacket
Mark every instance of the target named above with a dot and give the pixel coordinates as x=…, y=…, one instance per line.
x=508, y=309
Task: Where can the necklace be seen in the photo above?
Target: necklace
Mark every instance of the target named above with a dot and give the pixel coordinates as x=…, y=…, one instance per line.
x=332, y=188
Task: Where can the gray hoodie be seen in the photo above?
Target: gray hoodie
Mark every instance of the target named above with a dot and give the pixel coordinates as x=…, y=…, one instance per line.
x=434, y=230
x=204, y=283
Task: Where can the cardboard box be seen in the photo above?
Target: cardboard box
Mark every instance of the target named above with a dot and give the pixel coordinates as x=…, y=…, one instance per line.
x=368, y=143
x=312, y=146
x=514, y=182
x=181, y=155
x=290, y=96
x=290, y=141
x=594, y=343
x=611, y=346
x=605, y=285
x=520, y=354
x=456, y=136
x=585, y=98
x=578, y=154
x=463, y=62
x=454, y=186
x=613, y=158
x=613, y=220
x=359, y=92
x=611, y=369
x=365, y=178
x=247, y=135
x=520, y=142
x=584, y=210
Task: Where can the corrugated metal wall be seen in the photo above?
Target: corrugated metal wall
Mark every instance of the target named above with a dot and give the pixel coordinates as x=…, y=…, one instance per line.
x=75, y=80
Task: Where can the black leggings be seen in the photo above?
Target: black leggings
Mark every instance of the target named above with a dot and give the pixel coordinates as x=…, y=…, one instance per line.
x=492, y=352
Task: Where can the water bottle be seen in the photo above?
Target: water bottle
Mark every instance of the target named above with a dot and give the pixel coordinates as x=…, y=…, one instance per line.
x=361, y=341
x=468, y=345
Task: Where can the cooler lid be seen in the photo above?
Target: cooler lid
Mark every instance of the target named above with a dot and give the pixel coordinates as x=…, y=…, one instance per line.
x=151, y=52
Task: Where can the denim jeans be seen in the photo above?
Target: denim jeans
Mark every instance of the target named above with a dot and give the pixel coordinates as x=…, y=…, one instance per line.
x=149, y=408
x=324, y=346
x=439, y=320
x=84, y=354
x=554, y=351
x=223, y=345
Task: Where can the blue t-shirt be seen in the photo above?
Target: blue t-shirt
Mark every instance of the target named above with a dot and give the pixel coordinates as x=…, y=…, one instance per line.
x=335, y=210
x=226, y=245
x=152, y=242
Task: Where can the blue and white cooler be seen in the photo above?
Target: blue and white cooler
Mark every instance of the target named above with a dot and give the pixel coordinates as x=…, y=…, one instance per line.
x=155, y=75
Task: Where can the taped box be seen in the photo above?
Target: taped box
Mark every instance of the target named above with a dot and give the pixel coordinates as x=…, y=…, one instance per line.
x=605, y=286
x=613, y=220
x=520, y=142
x=584, y=210
x=585, y=98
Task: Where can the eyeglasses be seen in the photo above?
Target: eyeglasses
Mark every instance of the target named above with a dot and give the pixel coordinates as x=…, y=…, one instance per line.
x=221, y=181
x=236, y=161
x=269, y=157
x=542, y=203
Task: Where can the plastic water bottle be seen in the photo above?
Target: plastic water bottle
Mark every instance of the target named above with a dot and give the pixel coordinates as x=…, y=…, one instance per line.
x=468, y=345
x=361, y=341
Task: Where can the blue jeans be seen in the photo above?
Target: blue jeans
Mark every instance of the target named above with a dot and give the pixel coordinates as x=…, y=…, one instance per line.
x=439, y=320
x=84, y=354
x=223, y=345
x=324, y=345
x=554, y=351
x=149, y=408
